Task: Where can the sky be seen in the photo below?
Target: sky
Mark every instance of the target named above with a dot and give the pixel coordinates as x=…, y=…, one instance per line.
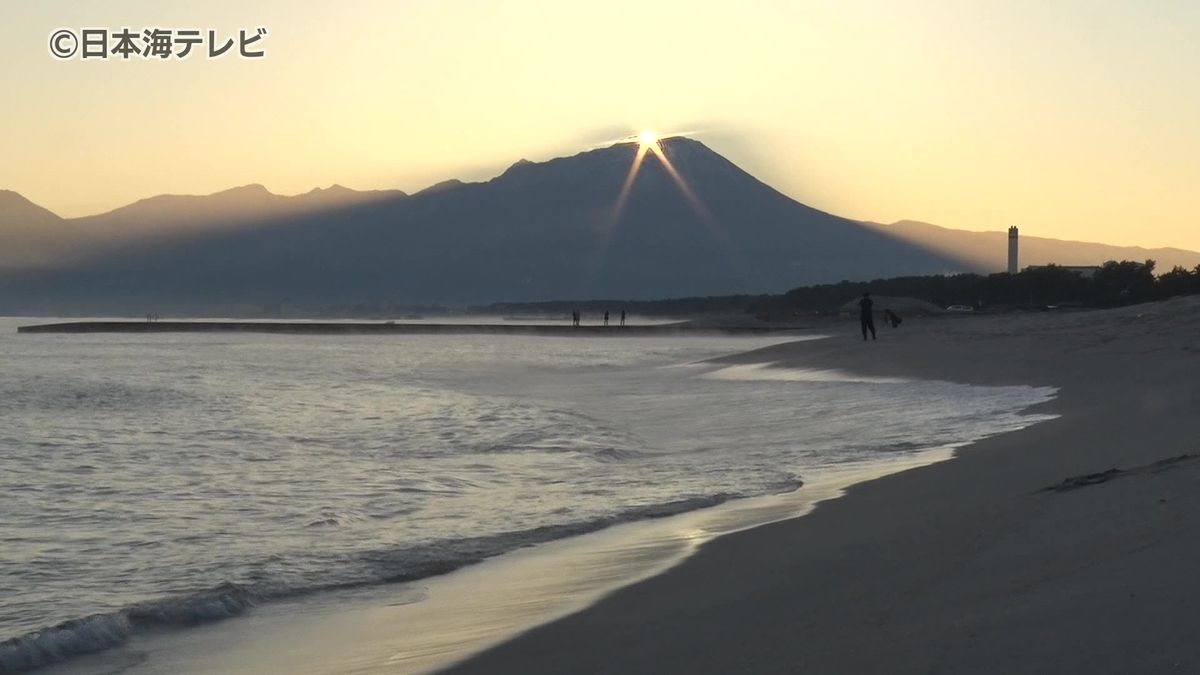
x=1069, y=118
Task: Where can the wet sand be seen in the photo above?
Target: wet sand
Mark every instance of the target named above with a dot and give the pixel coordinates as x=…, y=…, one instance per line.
x=1003, y=560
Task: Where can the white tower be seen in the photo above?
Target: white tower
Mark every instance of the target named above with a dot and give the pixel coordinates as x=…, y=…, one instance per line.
x=1012, y=250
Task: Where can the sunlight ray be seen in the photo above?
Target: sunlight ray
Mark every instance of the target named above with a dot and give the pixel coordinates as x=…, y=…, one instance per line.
x=611, y=225
x=651, y=143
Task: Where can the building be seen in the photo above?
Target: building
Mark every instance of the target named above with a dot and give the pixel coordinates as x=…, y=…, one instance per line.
x=1012, y=250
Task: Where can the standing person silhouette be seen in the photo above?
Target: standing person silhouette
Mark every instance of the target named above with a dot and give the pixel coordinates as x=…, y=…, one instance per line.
x=865, y=316
x=606, y=317
x=622, y=317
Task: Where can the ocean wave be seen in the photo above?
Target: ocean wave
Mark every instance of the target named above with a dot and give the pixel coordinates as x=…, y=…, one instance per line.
x=64, y=641
x=99, y=632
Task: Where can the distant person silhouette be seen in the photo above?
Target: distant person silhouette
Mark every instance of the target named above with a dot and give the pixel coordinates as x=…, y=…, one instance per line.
x=606, y=317
x=575, y=318
x=622, y=317
x=865, y=316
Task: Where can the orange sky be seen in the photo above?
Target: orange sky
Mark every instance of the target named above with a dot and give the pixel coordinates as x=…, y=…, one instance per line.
x=1071, y=119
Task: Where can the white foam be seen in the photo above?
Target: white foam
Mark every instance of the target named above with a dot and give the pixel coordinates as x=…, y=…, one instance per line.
x=771, y=372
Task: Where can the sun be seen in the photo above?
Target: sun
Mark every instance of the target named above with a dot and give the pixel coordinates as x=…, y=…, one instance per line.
x=647, y=137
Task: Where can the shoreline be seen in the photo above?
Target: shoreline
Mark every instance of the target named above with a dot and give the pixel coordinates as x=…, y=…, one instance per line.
x=962, y=566
x=614, y=557
x=564, y=644
x=416, y=627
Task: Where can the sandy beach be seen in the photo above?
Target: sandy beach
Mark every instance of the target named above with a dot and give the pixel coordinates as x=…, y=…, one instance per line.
x=971, y=565
x=1063, y=547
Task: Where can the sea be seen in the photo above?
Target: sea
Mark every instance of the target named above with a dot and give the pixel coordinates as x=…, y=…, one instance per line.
x=153, y=482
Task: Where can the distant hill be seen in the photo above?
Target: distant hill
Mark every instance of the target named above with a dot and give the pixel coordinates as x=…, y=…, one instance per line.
x=539, y=231
x=36, y=238
x=988, y=251
x=32, y=236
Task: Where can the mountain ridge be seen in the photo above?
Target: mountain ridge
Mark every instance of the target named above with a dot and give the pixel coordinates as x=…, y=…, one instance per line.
x=573, y=226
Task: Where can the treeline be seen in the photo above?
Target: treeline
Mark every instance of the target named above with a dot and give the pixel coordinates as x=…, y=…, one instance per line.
x=1114, y=283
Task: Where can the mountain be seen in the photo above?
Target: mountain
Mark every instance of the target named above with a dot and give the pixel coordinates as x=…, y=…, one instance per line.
x=32, y=235
x=988, y=251
x=37, y=238
x=694, y=224
x=537, y=231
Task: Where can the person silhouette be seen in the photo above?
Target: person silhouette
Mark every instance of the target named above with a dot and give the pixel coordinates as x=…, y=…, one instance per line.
x=865, y=316
x=622, y=317
x=606, y=317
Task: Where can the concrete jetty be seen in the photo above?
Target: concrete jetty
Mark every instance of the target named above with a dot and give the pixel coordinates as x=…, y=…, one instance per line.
x=386, y=328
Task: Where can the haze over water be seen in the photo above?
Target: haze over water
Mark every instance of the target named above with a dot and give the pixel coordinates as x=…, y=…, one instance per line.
x=152, y=481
